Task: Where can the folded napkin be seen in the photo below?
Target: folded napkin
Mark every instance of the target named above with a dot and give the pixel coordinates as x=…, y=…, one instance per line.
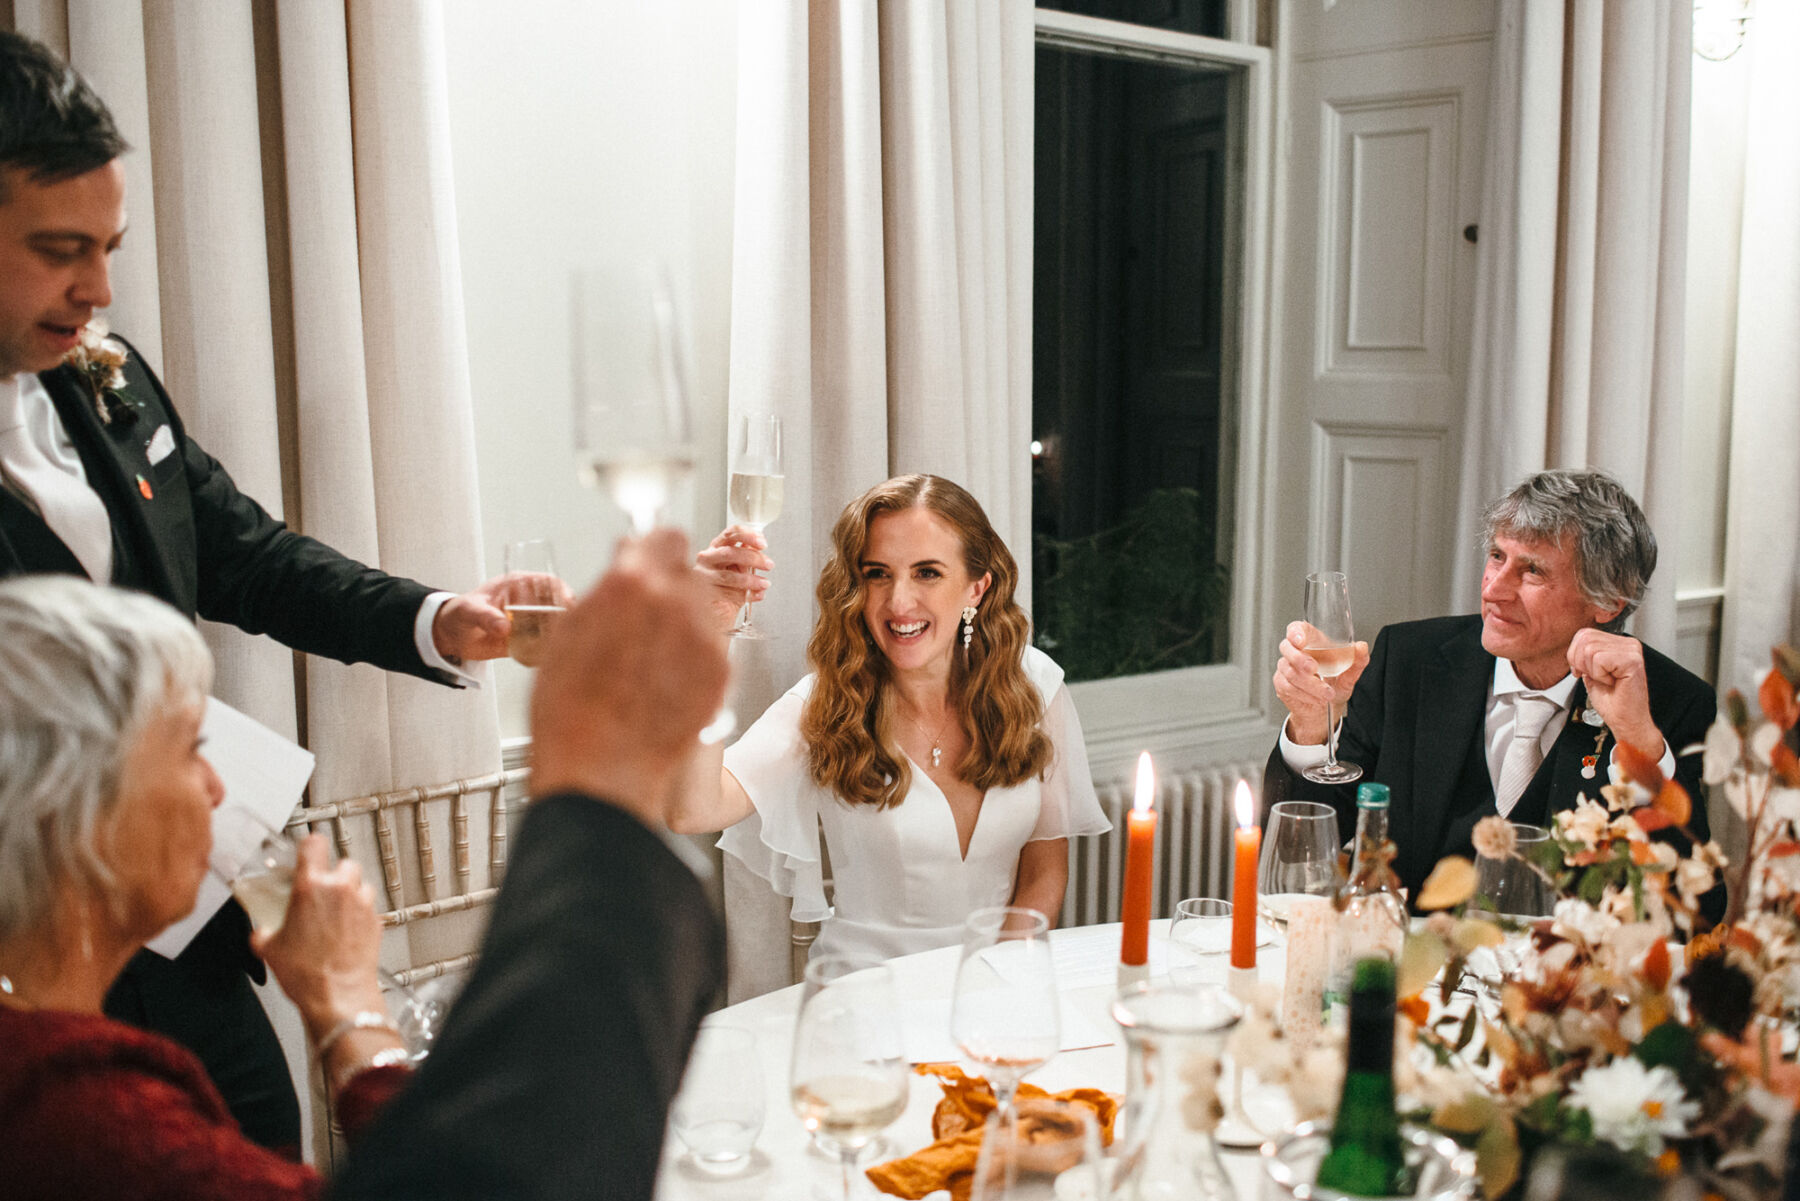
x=949, y=1163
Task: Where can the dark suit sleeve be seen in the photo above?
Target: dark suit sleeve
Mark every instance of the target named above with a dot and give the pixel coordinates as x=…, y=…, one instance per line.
x=255, y=573
x=556, y=1069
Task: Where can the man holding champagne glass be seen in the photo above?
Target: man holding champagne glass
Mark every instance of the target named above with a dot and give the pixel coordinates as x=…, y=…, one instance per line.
x=1517, y=710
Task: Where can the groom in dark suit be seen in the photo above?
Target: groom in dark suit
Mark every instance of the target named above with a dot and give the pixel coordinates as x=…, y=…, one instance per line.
x=1516, y=710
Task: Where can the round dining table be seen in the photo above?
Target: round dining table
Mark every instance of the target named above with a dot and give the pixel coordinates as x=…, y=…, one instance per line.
x=784, y=1163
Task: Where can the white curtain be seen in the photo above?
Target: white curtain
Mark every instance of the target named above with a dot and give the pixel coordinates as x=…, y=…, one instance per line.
x=292, y=271
x=881, y=292
x=1762, y=560
x=1577, y=355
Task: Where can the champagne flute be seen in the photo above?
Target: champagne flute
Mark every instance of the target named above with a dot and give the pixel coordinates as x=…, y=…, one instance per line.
x=754, y=497
x=1005, y=1015
x=256, y=862
x=1299, y=857
x=535, y=598
x=1333, y=650
x=849, y=1076
x=633, y=421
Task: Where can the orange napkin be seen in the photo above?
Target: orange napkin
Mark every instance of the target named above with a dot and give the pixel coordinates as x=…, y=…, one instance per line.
x=957, y=1124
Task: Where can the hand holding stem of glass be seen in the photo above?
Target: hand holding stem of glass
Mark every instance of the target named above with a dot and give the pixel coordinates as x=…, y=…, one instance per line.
x=1332, y=649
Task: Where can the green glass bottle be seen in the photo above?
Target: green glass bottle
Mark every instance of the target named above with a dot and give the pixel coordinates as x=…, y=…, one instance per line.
x=1367, y=1156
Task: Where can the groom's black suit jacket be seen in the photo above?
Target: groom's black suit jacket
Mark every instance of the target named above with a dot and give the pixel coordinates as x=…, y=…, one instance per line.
x=1415, y=723
x=183, y=532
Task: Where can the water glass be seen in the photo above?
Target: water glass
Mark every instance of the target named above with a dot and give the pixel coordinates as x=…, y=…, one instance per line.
x=1004, y=1013
x=1199, y=940
x=1299, y=856
x=1514, y=884
x=718, y=1113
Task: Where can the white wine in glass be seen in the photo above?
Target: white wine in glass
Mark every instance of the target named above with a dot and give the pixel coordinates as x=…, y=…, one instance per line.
x=849, y=1078
x=754, y=497
x=534, y=599
x=1332, y=651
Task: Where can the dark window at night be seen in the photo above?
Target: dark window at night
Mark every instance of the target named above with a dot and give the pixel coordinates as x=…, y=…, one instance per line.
x=1205, y=17
x=1133, y=407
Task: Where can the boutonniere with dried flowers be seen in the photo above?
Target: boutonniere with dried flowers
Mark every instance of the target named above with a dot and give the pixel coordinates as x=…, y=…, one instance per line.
x=100, y=362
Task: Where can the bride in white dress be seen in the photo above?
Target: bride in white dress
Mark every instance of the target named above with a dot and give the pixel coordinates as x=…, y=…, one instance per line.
x=936, y=751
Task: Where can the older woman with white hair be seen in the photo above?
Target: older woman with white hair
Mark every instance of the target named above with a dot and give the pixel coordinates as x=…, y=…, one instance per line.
x=106, y=807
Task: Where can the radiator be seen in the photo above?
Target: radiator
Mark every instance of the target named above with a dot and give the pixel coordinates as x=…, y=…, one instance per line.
x=1193, y=844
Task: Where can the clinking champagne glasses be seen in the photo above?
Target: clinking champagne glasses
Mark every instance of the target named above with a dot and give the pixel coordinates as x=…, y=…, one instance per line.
x=633, y=425
x=849, y=1077
x=754, y=498
x=1333, y=650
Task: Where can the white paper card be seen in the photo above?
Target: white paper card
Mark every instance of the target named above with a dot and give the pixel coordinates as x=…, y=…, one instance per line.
x=925, y=1027
x=1085, y=958
x=264, y=773
x=162, y=445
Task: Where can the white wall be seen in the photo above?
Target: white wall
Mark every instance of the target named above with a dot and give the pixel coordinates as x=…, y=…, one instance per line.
x=584, y=131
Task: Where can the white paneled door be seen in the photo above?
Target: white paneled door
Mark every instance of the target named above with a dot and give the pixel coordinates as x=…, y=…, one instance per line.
x=1383, y=157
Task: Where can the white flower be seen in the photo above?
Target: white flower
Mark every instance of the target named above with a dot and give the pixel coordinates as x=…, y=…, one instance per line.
x=1634, y=1107
x=1692, y=877
x=1585, y=824
x=1495, y=838
x=1578, y=919
x=1762, y=742
x=1783, y=804
x=1720, y=752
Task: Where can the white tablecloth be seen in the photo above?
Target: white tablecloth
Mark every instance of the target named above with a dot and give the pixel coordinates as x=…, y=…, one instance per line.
x=786, y=1167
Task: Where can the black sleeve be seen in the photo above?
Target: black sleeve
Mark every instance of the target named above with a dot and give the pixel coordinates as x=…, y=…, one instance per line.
x=255, y=573
x=555, y=1071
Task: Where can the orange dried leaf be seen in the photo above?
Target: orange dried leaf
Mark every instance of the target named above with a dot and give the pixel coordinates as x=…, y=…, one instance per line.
x=1782, y=850
x=1785, y=764
x=1642, y=855
x=1415, y=1009
x=1743, y=940
x=1640, y=768
x=1673, y=801
x=1650, y=819
x=1656, y=965
x=1778, y=702
x=1450, y=883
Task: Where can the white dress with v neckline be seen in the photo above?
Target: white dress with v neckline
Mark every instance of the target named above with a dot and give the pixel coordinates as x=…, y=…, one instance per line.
x=900, y=881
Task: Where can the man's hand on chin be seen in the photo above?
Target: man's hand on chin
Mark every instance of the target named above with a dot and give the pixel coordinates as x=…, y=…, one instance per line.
x=472, y=626
x=1612, y=667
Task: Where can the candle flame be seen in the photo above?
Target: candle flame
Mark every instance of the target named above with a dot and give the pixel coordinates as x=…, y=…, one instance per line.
x=1146, y=785
x=1244, y=805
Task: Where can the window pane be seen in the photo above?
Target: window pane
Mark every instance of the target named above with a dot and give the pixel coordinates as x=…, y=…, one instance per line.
x=1206, y=17
x=1133, y=411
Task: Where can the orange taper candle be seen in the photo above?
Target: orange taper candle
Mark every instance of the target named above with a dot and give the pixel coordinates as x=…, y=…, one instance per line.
x=1134, y=906
x=1248, y=840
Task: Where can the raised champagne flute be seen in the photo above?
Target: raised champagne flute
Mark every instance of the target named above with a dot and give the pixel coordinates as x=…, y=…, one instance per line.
x=633, y=422
x=1333, y=649
x=1005, y=1015
x=535, y=598
x=754, y=496
x=849, y=1075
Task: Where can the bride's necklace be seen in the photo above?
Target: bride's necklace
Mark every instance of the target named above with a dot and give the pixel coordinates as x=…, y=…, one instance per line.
x=936, y=740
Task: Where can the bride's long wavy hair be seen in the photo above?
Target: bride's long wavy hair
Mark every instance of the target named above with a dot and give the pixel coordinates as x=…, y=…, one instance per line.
x=848, y=721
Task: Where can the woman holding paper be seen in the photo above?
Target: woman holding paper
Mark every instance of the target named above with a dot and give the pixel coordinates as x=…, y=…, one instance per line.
x=935, y=748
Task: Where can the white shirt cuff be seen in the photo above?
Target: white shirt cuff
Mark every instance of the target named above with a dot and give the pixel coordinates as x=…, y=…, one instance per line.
x=466, y=677
x=1298, y=757
x=1667, y=762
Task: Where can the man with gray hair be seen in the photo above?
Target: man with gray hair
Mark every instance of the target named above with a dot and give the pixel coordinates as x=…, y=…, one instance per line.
x=1517, y=710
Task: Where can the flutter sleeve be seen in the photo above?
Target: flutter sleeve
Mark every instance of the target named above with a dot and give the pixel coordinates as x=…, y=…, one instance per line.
x=1069, y=807
x=779, y=841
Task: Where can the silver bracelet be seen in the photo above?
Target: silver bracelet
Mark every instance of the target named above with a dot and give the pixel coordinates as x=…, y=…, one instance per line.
x=367, y=1019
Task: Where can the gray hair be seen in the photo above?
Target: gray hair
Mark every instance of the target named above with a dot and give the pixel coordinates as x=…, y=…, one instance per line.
x=1614, y=548
x=83, y=670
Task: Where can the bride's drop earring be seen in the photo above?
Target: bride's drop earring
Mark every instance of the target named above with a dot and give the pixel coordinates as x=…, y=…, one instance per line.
x=968, y=616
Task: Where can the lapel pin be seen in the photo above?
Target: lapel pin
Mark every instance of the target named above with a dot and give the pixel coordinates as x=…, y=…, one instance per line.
x=1588, y=763
x=144, y=488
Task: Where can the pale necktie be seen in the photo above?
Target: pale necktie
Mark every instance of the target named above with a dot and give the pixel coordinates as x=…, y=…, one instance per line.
x=1531, y=713
x=72, y=510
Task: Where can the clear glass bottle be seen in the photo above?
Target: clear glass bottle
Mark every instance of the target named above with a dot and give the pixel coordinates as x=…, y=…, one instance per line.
x=1371, y=907
x=1174, y=1038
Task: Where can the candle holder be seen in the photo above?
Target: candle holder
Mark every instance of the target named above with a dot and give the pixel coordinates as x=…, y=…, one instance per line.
x=1132, y=974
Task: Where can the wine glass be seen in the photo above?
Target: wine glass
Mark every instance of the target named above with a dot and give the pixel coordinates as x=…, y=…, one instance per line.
x=1047, y=1149
x=754, y=497
x=849, y=1075
x=1005, y=1015
x=633, y=422
x=719, y=1111
x=1199, y=938
x=535, y=597
x=1514, y=884
x=417, y=1017
x=256, y=862
x=1299, y=856
x=1332, y=648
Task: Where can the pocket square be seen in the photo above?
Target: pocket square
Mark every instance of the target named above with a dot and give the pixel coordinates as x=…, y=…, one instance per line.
x=162, y=445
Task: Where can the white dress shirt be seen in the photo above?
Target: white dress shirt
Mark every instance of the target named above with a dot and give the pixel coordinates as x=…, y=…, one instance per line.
x=1504, y=690
x=24, y=401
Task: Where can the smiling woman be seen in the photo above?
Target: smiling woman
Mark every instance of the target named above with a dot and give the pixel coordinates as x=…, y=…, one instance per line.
x=938, y=753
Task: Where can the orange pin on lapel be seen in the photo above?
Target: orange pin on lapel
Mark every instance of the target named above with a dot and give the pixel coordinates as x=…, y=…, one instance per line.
x=144, y=488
